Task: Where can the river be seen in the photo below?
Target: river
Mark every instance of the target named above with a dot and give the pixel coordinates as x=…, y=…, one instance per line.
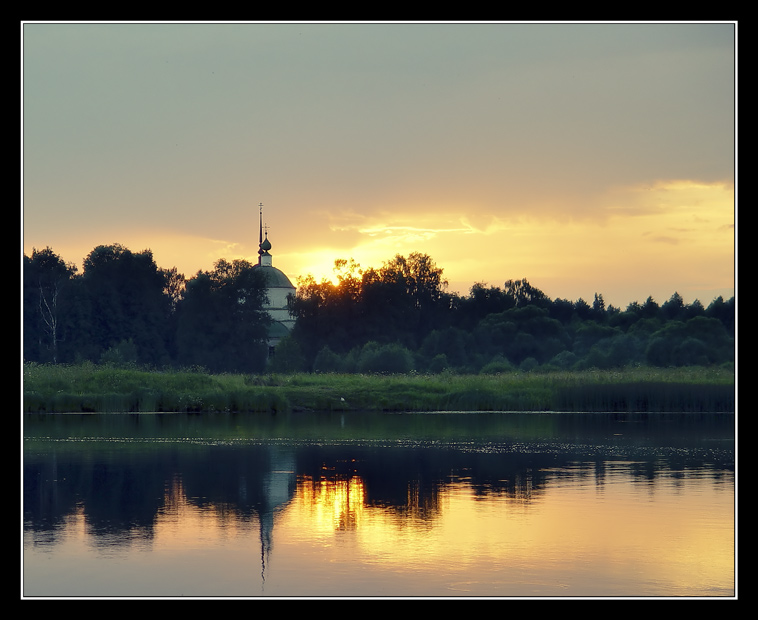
x=371, y=505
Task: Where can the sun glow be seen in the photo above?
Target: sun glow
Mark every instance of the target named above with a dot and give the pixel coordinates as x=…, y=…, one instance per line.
x=655, y=239
x=630, y=243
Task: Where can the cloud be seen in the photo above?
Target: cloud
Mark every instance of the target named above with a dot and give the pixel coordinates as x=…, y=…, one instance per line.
x=664, y=239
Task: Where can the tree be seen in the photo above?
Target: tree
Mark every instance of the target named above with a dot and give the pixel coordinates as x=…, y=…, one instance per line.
x=327, y=361
x=650, y=309
x=598, y=308
x=326, y=314
x=125, y=294
x=451, y=343
x=520, y=333
x=562, y=310
x=481, y=301
x=288, y=358
x=175, y=283
x=724, y=311
x=405, y=299
x=582, y=310
x=385, y=359
x=673, y=309
x=46, y=276
x=402, y=301
x=221, y=322
x=698, y=341
x=524, y=294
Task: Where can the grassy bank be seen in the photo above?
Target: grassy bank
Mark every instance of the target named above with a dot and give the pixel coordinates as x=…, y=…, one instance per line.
x=92, y=388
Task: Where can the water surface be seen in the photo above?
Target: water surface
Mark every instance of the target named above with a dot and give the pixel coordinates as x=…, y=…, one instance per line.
x=365, y=504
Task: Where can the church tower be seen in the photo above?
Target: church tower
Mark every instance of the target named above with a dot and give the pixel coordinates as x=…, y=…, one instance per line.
x=278, y=288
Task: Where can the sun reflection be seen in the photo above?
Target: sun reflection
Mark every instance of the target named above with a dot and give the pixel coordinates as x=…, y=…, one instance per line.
x=332, y=503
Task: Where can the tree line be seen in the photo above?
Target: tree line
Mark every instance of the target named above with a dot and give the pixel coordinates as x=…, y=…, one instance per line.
x=394, y=318
x=401, y=316
x=123, y=308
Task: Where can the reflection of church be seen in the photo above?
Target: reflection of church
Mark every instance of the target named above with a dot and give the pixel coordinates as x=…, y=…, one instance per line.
x=278, y=489
x=278, y=288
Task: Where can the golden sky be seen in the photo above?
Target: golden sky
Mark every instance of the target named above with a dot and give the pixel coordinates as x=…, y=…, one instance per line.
x=592, y=157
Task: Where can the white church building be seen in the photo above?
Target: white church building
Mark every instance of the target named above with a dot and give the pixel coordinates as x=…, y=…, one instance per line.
x=278, y=288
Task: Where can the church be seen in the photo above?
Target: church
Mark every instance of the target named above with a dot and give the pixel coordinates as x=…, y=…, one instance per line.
x=278, y=288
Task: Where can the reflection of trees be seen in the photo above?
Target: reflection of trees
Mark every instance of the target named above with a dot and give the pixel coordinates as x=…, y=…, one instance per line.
x=122, y=488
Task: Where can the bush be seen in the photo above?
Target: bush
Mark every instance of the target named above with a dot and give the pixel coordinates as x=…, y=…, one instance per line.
x=327, y=361
x=497, y=365
x=121, y=355
x=438, y=363
x=528, y=364
x=564, y=360
x=288, y=357
x=385, y=359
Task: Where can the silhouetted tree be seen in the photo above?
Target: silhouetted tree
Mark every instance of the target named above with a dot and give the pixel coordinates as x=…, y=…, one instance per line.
x=562, y=310
x=724, y=311
x=400, y=302
x=698, y=341
x=481, y=301
x=221, y=324
x=287, y=358
x=598, y=308
x=524, y=294
x=673, y=309
x=46, y=277
x=123, y=308
x=126, y=299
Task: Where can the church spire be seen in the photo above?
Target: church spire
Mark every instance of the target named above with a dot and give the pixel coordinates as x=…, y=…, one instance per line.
x=264, y=245
x=260, y=231
x=260, y=223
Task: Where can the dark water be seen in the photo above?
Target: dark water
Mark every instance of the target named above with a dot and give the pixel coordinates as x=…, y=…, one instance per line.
x=469, y=504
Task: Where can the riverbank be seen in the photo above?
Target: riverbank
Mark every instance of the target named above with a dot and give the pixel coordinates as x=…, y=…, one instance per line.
x=93, y=388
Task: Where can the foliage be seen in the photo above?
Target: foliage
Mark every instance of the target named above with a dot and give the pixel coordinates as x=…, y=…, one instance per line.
x=125, y=311
x=122, y=354
x=123, y=295
x=46, y=281
x=287, y=358
x=397, y=303
x=384, y=359
x=328, y=361
x=221, y=324
x=698, y=341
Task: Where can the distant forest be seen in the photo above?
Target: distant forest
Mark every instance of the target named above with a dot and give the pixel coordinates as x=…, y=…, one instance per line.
x=123, y=309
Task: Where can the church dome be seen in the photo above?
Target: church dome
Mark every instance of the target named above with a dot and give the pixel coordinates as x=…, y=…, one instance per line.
x=275, y=278
x=279, y=289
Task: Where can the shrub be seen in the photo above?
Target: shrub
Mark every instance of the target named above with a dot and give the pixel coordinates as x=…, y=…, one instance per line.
x=528, y=364
x=121, y=355
x=497, y=365
x=438, y=363
x=388, y=359
x=288, y=357
x=564, y=359
x=327, y=361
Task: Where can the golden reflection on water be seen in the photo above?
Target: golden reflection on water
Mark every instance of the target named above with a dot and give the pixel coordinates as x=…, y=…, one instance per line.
x=620, y=539
x=331, y=504
x=612, y=537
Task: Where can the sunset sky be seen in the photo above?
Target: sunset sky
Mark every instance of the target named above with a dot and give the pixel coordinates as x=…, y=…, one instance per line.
x=585, y=157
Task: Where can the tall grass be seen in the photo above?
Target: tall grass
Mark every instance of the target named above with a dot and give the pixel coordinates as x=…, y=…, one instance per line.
x=89, y=387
